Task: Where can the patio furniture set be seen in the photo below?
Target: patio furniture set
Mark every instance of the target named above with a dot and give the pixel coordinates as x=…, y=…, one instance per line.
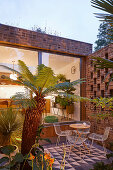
x=79, y=135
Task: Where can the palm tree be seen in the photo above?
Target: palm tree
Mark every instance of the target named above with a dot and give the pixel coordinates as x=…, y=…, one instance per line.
x=107, y=7
x=40, y=84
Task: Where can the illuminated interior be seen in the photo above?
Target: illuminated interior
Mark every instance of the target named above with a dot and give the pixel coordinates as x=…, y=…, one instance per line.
x=66, y=65
x=70, y=67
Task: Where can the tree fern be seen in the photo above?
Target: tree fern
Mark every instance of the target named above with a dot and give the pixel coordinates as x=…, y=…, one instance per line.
x=25, y=72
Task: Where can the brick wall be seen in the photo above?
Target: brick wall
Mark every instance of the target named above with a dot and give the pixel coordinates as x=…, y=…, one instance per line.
x=26, y=38
x=95, y=88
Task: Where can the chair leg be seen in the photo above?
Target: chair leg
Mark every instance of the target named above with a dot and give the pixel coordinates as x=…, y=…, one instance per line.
x=66, y=141
x=91, y=144
x=58, y=140
x=104, y=148
x=70, y=151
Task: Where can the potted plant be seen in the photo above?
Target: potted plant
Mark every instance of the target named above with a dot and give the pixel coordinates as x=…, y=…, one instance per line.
x=9, y=124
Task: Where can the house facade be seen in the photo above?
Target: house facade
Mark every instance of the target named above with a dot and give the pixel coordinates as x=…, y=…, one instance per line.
x=64, y=56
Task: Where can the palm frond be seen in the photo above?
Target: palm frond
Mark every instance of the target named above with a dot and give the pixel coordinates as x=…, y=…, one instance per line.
x=65, y=86
x=25, y=72
x=10, y=69
x=27, y=84
x=45, y=78
x=23, y=100
x=39, y=68
x=106, y=6
x=102, y=63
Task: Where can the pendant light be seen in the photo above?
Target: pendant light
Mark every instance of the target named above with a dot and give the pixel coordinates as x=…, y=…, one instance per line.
x=13, y=76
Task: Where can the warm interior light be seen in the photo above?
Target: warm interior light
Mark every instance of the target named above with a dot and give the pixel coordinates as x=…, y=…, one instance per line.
x=47, y=97
x=13, y=76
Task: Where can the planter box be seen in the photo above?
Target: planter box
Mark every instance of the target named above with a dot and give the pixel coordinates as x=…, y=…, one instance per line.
x=49, y=128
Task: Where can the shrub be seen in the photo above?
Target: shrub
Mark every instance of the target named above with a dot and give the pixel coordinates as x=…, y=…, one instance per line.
x=51, y=119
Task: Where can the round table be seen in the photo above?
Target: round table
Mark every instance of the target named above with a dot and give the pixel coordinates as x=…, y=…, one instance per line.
x=81, y=126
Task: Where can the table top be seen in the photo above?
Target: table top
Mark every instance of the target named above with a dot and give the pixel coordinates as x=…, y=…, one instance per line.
x=79, y=126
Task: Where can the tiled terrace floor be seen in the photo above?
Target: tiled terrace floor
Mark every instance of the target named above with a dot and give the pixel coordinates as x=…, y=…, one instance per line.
x=75, y=162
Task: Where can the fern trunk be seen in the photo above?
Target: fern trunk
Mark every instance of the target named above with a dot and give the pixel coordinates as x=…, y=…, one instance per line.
x=31, y=123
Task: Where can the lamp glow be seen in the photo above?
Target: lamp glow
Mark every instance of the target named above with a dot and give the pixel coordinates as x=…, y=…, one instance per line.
x=13, y=76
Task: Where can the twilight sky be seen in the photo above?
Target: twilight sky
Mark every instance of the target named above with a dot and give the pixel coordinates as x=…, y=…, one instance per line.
x=72, y=19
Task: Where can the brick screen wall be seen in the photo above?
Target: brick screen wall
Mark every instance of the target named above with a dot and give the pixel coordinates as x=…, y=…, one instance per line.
x=95, y=88
x=26, y=38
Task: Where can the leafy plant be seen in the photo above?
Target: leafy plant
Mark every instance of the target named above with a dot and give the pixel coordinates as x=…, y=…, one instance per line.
x=102, y=166
x=64, y=100
x=9, y=161
x=9, y=124
x=61, y=78
x=36, y=156
x=51, y=119
x=106, y=103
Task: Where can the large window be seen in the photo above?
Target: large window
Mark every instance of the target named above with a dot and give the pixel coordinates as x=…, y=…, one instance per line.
x=70, y=67
x=8, y=56
x=61, y=64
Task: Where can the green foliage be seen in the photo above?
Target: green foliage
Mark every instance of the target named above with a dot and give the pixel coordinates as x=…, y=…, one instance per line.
x=102, y=166
x=10, y=161
x=106, y=103
x=36, y=161
x=101, y=63
x=45, y=78
x=64, y=100
x=7, y=150
x=50, y=119
x=39, y=138
x=101, y=116
x=61, y=77
x=103, y=36
x=9, y=122
x=23, y=100
x=107, y=7
x=65, y=87
x=38, y=83
x=35, y=157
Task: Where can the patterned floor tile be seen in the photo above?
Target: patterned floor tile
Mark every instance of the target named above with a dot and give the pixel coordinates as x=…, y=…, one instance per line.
x=76, y=160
